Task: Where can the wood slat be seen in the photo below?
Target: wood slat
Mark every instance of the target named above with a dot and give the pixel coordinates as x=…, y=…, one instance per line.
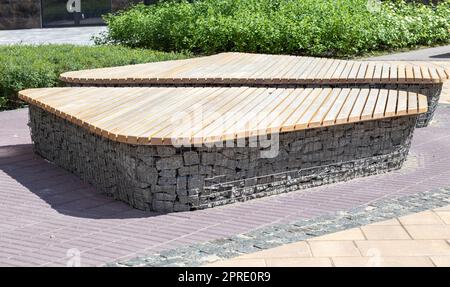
x=330, y=118
x=402, y=103
x=412, y=103
x=380, y=106
x=422, y=105
x=313, y=109
x=323, y=110
x=235, y=68
x=358, y=108
x=346, y=109
x=370, y=104
x=391, y=105
x=146, y=115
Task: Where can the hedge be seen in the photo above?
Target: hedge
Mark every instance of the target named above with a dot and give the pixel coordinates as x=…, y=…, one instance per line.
x=23, y=66
x=338, y=28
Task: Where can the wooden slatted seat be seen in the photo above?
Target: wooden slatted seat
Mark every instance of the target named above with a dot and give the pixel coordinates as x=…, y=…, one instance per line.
x=145, y=115
x=244, y=68
x=239, y=69
x=237, y=143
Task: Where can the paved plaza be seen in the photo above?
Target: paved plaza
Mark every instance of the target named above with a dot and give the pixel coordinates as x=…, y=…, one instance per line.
x=47, y=211
x=416, y=240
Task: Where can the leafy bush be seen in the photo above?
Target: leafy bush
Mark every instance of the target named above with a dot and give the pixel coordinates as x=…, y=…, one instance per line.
x=23, y=67
x=337, y=28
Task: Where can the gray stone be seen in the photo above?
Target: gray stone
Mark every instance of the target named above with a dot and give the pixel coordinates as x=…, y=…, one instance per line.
x=188, y=170
x=168, y=173
x=168, y=176
x=172, y=162
x=196, y=182
x=162, y=206
x=167, y=180
x=165, y=150
x=209, y=158
x=165, y=188
x=191, y=158
x=165, y=197
x=146, y=175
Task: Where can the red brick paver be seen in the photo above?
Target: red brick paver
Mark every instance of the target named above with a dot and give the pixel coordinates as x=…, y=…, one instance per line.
x=46, y=211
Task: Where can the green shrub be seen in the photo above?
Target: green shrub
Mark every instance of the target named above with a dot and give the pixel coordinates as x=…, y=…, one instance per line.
x=23, y=67
x=339, y=28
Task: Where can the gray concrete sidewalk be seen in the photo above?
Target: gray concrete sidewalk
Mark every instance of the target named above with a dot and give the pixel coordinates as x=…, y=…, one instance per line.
x=72, y=35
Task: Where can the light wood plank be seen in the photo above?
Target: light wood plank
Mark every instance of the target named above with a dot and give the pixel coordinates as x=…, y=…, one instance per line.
x=237, y=68
x=402, y=103
x=313, y=109
x=330, y=118
x=370, y=104
x=422, y=104
x=412, y=103
x=358, y=108
x=144, y=115
x=322, y=112
x=346, y=109
x=380, y=106
x=391, y=105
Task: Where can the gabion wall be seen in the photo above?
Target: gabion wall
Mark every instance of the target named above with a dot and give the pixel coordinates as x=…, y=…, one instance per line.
x=166, y=179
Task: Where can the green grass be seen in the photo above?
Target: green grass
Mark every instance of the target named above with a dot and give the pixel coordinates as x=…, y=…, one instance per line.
x=332, y=28
x=23, y=66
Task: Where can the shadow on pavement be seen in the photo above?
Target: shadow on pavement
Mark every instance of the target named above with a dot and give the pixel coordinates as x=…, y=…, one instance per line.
x=62, y=190
x=441, y=56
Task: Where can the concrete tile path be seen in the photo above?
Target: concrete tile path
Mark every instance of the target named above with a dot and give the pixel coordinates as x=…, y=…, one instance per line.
x=48, y=216
x=421, y=239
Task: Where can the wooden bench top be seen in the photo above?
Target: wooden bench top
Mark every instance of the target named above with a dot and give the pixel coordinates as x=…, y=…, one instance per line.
x=205, y=115
x=244, y=68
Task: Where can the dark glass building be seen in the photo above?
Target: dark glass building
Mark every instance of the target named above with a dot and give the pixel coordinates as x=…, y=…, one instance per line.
x=21, y=14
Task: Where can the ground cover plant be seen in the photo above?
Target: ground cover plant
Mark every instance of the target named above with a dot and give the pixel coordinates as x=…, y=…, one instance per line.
x=23, y=66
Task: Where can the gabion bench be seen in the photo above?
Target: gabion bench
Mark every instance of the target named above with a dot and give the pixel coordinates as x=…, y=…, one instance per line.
x=150, y=147
x=238, y=69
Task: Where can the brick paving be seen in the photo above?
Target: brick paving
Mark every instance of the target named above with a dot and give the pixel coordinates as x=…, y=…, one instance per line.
x=46, y=211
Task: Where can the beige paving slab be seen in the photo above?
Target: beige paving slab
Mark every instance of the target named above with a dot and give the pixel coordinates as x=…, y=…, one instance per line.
x=239, y=263
x=444, y=208
x=375, y=261
x=333, y=248
x=441, y=261
x=298, y=249
x=404, y=247
x=393, y=221
x=444, y=216
x=381, y=232
x=299, y=262
x=425, y=217
x=429, y=231
x=350, y=234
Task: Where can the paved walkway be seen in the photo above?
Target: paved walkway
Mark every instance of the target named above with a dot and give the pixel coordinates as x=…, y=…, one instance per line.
x=441, y=53
x=417, y=240
x=72, y=35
